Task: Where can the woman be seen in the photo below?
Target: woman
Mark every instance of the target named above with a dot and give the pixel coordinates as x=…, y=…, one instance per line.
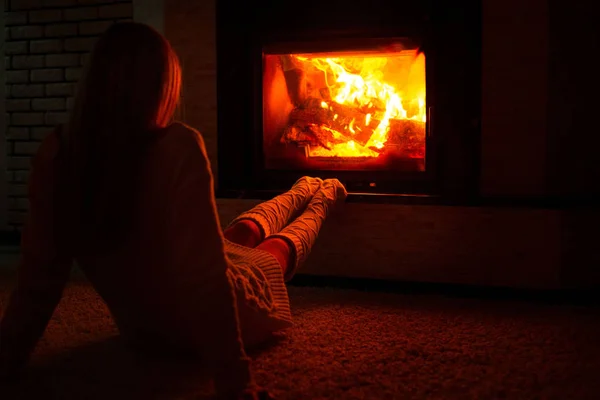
x=129, y=197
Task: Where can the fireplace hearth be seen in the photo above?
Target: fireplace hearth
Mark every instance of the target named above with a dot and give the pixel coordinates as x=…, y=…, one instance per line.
x=384, y=97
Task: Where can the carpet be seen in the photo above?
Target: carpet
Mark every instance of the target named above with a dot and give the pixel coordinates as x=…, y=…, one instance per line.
x=346, y=344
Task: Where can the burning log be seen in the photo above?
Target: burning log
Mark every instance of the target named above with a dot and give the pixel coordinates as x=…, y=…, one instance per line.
x=294, y=134
x=407, y=135
x=350, y=122
x=325, y=93
x=312, y=134
x=324, y=137
x=403, y=130
x=319, y=126
x=353, y=123
x=304, y=117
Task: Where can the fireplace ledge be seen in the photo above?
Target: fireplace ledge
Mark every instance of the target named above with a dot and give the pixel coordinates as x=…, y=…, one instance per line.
x=537, y=202
x=518, y=247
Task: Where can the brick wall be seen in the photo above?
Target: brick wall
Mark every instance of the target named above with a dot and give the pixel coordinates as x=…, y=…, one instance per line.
x=47, y=43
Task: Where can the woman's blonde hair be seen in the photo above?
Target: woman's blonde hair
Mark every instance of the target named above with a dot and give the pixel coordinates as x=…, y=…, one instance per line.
x=128, y=95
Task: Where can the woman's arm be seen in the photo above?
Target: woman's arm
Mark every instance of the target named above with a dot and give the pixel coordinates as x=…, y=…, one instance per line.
x=198, y=249
x=43, y=270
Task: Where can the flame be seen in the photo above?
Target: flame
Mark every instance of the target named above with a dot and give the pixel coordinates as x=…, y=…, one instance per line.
x=359, y=81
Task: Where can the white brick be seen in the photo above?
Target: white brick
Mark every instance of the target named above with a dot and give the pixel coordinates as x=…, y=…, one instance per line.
x=59, y=89
x=17, y=76
x=16, y=5
x=60, y=3
x=44, y=16
x=27, y=91
x=16, y=47
x=16, y=18
x=62, y=60
x=16, y=163
x=94, y=27
x=121, y=10
x=47, y=75
x=27, y=62
x=60, y=30
x=19, y=190
x=17, y=218
x=26, y=148
x=18, y=105
x=21, y=176
x=27, y=118
x=18, y=203
x=49, y=104
x=81, y=13
x=80, y=44
x=17, y=133
x=88, y=2
x=25, y=32
x=45, y=46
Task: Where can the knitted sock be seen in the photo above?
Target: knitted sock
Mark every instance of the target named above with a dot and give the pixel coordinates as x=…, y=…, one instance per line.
x=271, y=216
x=280, y=249
x=302, y=233
x=244, y=232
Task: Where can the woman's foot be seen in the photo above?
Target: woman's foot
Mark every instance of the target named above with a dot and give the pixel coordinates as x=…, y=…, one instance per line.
x=333, y=192
x=302, y=233
x=272, y=215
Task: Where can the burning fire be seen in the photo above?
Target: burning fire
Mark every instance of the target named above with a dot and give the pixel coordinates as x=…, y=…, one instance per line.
x=358, y=86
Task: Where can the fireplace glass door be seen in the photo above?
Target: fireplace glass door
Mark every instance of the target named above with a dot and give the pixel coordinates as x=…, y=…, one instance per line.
x=358, y=107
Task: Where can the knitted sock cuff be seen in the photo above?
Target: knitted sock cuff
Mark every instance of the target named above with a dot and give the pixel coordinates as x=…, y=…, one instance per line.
x=299, y=253
x=258, y=219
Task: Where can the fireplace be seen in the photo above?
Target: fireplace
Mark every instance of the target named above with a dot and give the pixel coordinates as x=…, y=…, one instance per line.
x=532, y=101
x=384, y=97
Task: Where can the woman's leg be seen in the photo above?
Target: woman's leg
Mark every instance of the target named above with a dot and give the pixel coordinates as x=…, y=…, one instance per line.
x=244, y=232
x=301, y=234
x=271, y=216
x=280, y=249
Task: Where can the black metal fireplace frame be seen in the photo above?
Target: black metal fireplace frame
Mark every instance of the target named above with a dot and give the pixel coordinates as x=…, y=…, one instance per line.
x=452, y=147
x=381, y=181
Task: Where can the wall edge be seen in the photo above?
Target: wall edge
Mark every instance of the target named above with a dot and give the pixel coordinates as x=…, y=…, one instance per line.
x=3, y=126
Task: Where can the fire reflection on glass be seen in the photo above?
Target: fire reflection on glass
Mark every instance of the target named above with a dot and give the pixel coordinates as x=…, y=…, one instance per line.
x=344, y=110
